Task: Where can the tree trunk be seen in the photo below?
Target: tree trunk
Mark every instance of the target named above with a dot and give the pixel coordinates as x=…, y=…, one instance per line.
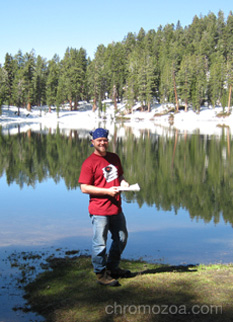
x=148, y=105
x=29, y=133
x=29, y=106
x=76, y=105
x=186, y=105
x=229, y=99
x=114, y=97
x=186, y=98
x=174, y=80
x=70, y=105
x=94, y=107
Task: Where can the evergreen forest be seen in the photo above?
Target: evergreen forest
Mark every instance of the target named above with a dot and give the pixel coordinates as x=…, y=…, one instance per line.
x=187, y=66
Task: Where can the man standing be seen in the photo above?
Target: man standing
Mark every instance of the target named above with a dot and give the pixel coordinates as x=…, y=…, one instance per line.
x=101, y=174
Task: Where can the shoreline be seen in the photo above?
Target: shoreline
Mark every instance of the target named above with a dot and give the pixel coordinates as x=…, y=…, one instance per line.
x=27, y=266
x=53, y=294
x=158, y=120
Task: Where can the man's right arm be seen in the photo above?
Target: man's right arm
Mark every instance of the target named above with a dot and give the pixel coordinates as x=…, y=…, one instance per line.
x=98, y=191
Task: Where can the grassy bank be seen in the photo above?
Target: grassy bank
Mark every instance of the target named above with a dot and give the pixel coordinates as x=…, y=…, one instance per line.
x=68, y=292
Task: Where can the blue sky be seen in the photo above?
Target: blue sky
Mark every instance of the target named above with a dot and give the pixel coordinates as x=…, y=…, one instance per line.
x=50, y=26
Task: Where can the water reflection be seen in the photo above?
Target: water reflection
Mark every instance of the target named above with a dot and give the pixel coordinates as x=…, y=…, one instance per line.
x=186, y=182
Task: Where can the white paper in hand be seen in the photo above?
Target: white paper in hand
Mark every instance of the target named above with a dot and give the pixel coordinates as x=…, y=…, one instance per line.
x=132, y=187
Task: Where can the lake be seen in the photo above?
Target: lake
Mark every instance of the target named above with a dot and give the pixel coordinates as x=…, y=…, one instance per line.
x=182, y=215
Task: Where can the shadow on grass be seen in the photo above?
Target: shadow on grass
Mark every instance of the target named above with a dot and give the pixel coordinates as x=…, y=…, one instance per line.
x=69, y=293
x=166, y=269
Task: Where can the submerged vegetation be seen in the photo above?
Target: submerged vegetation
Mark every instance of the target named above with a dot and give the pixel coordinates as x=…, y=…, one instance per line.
x=187, y=66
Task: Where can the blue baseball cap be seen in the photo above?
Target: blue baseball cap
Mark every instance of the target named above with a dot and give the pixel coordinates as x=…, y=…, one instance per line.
x=99, y=133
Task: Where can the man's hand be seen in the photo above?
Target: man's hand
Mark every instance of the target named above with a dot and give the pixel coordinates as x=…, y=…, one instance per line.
x=113, y=191
x=124, y=183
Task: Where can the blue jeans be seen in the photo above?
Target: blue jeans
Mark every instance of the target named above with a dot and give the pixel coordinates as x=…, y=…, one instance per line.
x=116, y=224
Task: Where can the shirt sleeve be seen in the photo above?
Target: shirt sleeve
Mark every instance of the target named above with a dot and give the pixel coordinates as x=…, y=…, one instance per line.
x=86, y=174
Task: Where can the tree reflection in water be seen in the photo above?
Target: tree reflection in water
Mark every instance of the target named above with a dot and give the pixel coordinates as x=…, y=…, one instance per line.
x=175, y=171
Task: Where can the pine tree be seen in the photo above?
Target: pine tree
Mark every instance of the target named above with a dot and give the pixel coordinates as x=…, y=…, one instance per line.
x=220, y=36
x=18, y=92
x=129, y=43
x=115, y=68
x=9, y=67
x=166, y=68
x=73, y=75
x=39, y=81
x=217, y=78
x=140, y=37
x=3, y=86
x=229, y=35
x=97, y=77
x=145, y=78
x=167, y=82
x=199, y=82
x=80, y=76
x=131, y=87
x=52, y=81
x=184, y=79
x=28, y=74
x=60, y=95
x=209, y=36
x=229, y=78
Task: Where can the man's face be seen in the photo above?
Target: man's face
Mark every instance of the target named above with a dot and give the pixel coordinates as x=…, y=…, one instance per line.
x=100, y=145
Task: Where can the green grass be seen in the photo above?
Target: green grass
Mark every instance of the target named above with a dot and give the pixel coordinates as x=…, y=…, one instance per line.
x=69, y=293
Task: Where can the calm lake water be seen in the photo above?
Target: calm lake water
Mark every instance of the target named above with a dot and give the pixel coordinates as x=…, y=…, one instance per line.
x=182, y=215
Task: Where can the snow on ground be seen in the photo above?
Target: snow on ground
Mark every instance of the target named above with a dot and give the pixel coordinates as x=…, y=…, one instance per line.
x=84, y=119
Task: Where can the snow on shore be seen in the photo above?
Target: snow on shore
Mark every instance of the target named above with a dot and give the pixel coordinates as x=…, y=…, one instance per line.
x=207, y=122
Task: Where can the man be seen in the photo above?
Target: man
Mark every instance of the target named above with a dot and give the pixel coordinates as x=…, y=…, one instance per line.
x=101, y=175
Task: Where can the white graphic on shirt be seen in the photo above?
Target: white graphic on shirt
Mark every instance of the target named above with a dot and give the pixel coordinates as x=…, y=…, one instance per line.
x=110, y=172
